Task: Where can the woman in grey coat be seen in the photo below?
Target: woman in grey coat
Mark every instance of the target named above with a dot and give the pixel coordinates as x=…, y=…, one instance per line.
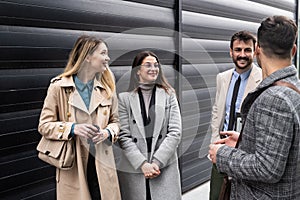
x=150, y=133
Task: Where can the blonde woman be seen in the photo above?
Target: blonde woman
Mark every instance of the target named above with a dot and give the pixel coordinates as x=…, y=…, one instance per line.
x=87, y=114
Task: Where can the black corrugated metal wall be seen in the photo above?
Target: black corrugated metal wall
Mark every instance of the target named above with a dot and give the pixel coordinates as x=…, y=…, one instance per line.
x=208, y=26
x=36, y=37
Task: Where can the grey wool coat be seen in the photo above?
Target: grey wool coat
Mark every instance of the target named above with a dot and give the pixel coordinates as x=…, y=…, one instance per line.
x=166, y=137
x=266, y=164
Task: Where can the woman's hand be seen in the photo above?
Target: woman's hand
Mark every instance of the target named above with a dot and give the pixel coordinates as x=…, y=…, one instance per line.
x=87, y=131
x=150, y=170
x=156, y=168
x=100, y=136
x=230, y=140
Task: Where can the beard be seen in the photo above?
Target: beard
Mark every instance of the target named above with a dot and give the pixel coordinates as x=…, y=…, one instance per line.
x=246, y=59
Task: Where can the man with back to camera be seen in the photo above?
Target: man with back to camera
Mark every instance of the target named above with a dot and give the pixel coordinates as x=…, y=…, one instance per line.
x=245, y=77
x=266, y=164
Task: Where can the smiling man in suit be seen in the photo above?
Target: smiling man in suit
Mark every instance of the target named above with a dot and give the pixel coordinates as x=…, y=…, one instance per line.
x=232, y=87
x=263, y=160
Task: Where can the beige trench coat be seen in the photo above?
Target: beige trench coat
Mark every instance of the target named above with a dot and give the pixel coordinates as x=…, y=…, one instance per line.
x=72, y=184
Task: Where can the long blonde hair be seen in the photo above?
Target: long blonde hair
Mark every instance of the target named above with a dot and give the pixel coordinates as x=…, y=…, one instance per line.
x=86, y=45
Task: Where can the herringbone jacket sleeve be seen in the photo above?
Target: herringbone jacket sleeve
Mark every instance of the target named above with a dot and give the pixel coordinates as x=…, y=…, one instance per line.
x=266, y=142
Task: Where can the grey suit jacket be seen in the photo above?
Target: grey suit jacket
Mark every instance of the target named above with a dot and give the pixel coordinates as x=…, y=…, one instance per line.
x=222, y=86
x=166, y=137
x=267, y=163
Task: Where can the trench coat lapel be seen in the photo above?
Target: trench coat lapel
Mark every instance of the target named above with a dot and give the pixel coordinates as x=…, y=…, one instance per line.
x=136, y=112
x=97, y=98
x=75, y=99
x=77, y=102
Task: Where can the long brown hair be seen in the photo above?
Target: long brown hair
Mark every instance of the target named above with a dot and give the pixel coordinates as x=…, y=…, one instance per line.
x=161, y=80
x=86, y=45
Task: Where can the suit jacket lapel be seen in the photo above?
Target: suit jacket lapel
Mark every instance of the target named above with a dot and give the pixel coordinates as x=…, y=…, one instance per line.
x=225, y=84
x=254, y=79
x=226, y=81
x=136, y=112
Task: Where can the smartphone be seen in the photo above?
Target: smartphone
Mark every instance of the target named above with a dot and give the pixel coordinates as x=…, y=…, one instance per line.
x=239, y=122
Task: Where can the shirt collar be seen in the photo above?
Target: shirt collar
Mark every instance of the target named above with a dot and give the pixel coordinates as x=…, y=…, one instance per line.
x=81, y=86
x=244, y=75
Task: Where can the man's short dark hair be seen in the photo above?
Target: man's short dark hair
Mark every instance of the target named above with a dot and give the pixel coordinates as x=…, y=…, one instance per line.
x=243, y=36
x=277, y=36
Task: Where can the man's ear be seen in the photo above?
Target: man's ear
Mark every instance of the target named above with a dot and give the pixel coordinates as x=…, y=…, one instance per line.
x=230, y=52
x=294, y=50
x=257, y=49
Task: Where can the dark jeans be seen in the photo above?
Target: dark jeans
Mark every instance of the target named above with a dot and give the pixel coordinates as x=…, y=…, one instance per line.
x=216, y=181
x=92, y=176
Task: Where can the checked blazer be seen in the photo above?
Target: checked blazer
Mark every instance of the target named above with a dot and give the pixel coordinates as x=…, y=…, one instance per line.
x=266, y=165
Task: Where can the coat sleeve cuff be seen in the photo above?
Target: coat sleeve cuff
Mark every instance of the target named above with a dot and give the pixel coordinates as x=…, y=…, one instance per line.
x=223, y=158
x=157, y=162
x=72, y=131
x=64, y=130
x=136, y=159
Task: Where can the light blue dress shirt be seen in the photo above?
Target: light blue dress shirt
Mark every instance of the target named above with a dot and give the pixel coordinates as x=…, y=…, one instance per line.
x=244, y=79
x=85, y=90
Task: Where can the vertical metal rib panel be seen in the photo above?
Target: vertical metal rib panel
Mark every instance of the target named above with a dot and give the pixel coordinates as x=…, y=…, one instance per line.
x=207, y=27
x=36, y=37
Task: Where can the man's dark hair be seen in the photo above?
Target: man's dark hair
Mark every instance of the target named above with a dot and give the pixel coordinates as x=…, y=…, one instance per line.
x=277, y=36
x=243, y=36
